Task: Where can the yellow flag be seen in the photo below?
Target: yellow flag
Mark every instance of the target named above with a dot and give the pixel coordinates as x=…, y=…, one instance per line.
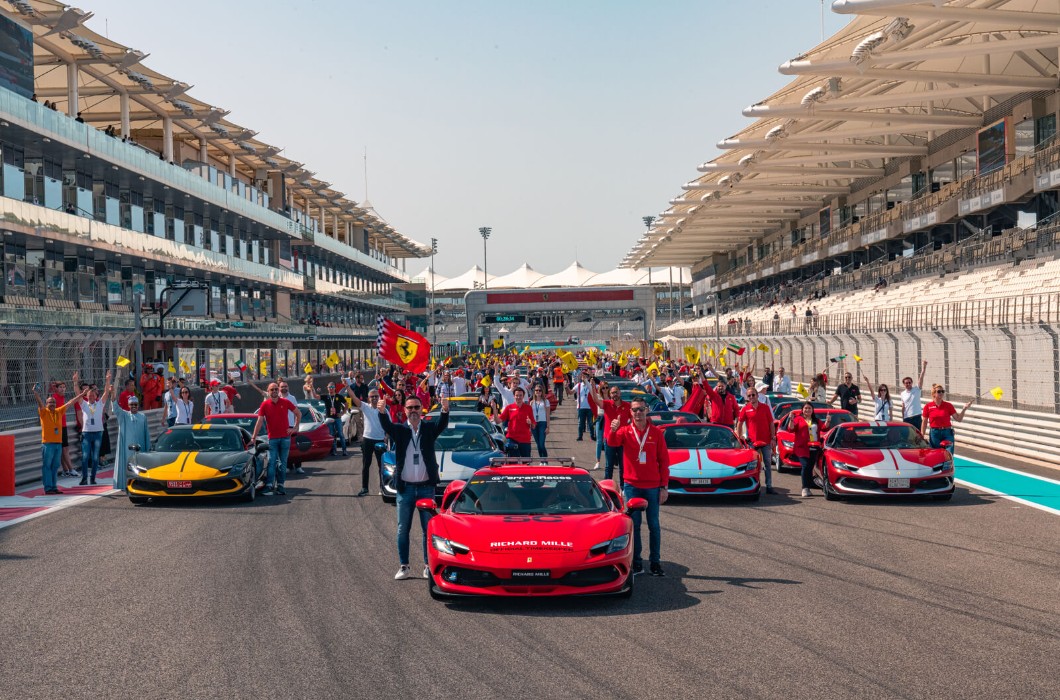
x=857, y=358
x=172, y=369
x=486, y=381
x=184, y=365
x=763, y=347
x=776, y=351
x=710, y=353
x=651, y=367
x=368, y=362
x=997, y=393
x=723, y=352
x=692, y=355
x=308, y=368
x=434, y=363
x=332, y=360
x=801, y=391
x=570, y=362
x=498, y=344
x=721, y=361
x=123, y=361
x=657, y=348
x=263, y=367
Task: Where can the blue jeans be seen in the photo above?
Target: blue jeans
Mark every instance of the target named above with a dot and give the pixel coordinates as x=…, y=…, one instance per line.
x=599, y=436
x=613, y=455
x=51, y=454
x=406, y=504
x=90, y=444
x=654, y=533
x=940, y=434
x=585, y=419
x=767, y=463
x=336, y=432
x=279, y=448
x=539, y=437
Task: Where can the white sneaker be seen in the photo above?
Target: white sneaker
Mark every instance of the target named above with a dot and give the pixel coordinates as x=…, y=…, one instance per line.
x=426, y=571
x=596, y=467
x=806, y=493
x=403, y=573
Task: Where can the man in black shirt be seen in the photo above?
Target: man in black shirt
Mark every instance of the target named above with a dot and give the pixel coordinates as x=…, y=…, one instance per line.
x=358, y=387
x=849, y=395
x=334, y=407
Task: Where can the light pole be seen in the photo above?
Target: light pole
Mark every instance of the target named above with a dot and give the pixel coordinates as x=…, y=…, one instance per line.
x=434, y=335
x=485, y=232
x=648, y=221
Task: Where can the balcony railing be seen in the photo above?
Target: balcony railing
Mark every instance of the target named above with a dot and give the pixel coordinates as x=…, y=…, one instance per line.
x=332, y=245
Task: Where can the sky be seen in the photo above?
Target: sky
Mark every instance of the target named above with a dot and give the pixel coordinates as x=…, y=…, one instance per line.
x=557, y=123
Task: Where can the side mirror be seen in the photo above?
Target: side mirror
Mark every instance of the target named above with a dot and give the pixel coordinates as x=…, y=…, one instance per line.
x=427, y=505
x=945, y=444
x=329, y=421
x=134, y=447
x=636, y=504
x=261, y=448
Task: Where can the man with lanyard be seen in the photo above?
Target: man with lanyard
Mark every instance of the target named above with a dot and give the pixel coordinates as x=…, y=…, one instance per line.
x=92, y=408
x=51, y=441
x=216, y=401
x=614, y=409
x=373, y=437
x=520, y=419
x=582, y=392
x=912, y=410
x=849, y=395
x=334, y=408
x=169, y=401
x=761, y=430
x=278, y=414
x=415, y=471
x=646, y=470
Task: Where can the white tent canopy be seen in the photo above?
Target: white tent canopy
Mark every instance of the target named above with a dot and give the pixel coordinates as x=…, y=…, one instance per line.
x=521, y=278
x=573, y=276
x=426, y=277
x=464, y=281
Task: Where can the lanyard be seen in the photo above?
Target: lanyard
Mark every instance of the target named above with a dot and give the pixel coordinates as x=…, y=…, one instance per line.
x=640, y=440
x=414, y=439
x=539, y=406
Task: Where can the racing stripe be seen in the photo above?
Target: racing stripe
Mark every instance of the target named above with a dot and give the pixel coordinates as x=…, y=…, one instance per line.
x=183, y=459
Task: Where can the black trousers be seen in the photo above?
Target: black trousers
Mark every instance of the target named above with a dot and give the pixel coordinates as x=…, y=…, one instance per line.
x=368, y=448
x=807, y=464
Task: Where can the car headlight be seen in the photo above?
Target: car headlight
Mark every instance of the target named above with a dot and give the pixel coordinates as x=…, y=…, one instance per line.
x=610, y=546
x=447, y=546
x=788, y=443
x=136, y=468
x=747, y=465
x=843, y=465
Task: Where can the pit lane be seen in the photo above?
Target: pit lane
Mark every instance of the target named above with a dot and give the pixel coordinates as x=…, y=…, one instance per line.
x=294, y=597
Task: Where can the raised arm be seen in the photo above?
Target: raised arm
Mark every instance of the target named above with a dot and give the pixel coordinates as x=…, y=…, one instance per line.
x=923, y=371
x=36, y=395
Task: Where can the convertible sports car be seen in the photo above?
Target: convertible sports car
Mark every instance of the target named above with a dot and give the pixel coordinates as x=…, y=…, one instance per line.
x=474, y=418
x=708, y=459
x=883, y=459
x=198, y=460
x=461, y=449
x=786, y=435
x=313, y=440
x=527, y=530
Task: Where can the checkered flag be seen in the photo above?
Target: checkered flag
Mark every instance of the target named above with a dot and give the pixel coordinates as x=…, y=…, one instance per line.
x=380, y=327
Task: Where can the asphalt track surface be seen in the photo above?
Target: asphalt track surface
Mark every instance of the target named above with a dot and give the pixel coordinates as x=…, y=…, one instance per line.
x=294, y=597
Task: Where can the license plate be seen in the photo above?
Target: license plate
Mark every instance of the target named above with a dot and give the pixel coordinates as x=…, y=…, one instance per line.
x=701, y=482
x=178, y=484
x=898, y=483
x=531, y=574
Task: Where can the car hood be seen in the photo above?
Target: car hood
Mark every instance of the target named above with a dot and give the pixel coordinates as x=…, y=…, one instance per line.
x=522, y=534
x=187, y=465
x=708, y=463
x=910, y=462
x=461, y=465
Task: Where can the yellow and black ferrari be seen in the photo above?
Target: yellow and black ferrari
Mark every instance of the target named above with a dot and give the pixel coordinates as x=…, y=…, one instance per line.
x=198, y=460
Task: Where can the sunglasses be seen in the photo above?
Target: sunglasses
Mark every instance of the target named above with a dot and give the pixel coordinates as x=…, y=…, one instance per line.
x=638, y=410
x=413, y=408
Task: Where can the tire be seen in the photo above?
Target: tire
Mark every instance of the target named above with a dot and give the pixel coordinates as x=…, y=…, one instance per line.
x=829, y=494
x=138, y=500
x=250, y=494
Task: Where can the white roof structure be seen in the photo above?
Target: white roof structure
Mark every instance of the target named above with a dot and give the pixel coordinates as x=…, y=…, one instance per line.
x=464, y=281
x=426, y=278
x=521, y=278
x=898, y=74
x=573, y=276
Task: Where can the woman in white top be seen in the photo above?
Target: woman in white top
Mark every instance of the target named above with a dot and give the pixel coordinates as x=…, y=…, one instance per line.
x=881, y=400
x=540, y=406
x=184, y=407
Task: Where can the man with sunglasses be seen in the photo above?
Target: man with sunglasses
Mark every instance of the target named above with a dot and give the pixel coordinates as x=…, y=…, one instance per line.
x=849, y=395
x=761, y=432
x=415, y=470
x=279, y=414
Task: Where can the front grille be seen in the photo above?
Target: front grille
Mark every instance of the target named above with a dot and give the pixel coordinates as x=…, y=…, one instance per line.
x=213, y=486
x=940, y=482
x=729, y=484
x=856, y=483
x=582, y=578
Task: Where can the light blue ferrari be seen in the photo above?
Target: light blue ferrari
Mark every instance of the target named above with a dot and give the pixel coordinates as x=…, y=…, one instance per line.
x=462, y=449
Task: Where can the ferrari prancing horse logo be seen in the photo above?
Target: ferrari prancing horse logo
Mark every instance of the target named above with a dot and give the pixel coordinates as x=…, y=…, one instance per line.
x=529, y=560
x=407, y=349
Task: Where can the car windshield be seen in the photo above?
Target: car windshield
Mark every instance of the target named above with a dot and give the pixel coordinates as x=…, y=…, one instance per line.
x=700, y=437
x=831, y=420
x=519, y=494
x=185, y=440
x=878, y=437
x=472, y=417
x=308, y=414
x=244, y=423
x=781, y=411
x=463, y=438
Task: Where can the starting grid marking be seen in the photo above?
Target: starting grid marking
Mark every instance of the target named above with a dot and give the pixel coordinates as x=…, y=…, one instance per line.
x=1035, y=491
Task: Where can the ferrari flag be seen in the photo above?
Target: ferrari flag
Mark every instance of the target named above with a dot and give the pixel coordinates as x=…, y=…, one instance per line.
x=403, y=347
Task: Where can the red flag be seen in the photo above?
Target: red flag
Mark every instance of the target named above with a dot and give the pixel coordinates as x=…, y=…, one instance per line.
x=695, y=401
x=403, y=347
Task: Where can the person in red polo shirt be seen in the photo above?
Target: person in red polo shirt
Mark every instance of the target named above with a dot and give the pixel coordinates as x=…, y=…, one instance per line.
x=723, y=406
x=279, y=415
x=614, y=408
x=646, y=468
x=761, y=430
x=938, y=417
x=520, y=418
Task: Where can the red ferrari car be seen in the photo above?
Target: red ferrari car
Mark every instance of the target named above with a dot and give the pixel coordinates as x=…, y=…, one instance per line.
x=786, y=435
x=312, y=442
x=883, y=459
x=710, y=460
x=528, y=530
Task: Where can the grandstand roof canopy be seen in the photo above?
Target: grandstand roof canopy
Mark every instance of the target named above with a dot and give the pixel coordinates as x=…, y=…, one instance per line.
x=426, y=277
x=521, y=278
x=897, y=75
x=573, y=276
x=467, y=280
x=110, y=74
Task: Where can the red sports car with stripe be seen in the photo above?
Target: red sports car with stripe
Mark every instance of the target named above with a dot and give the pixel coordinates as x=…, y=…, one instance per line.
x=883, y=459
x=786, y=435
x=522, y=530
x=710, y=460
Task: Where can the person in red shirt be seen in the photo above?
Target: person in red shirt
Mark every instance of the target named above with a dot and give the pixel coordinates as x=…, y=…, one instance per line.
x=808, y=432
x=151, y=385
x=761, y=431
x=937, y=417
x=128, y=392
x=278, y=415
x=231, y=392
x=614, y=408
x=520, y=418
x=723, y=406
x=646, y=468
